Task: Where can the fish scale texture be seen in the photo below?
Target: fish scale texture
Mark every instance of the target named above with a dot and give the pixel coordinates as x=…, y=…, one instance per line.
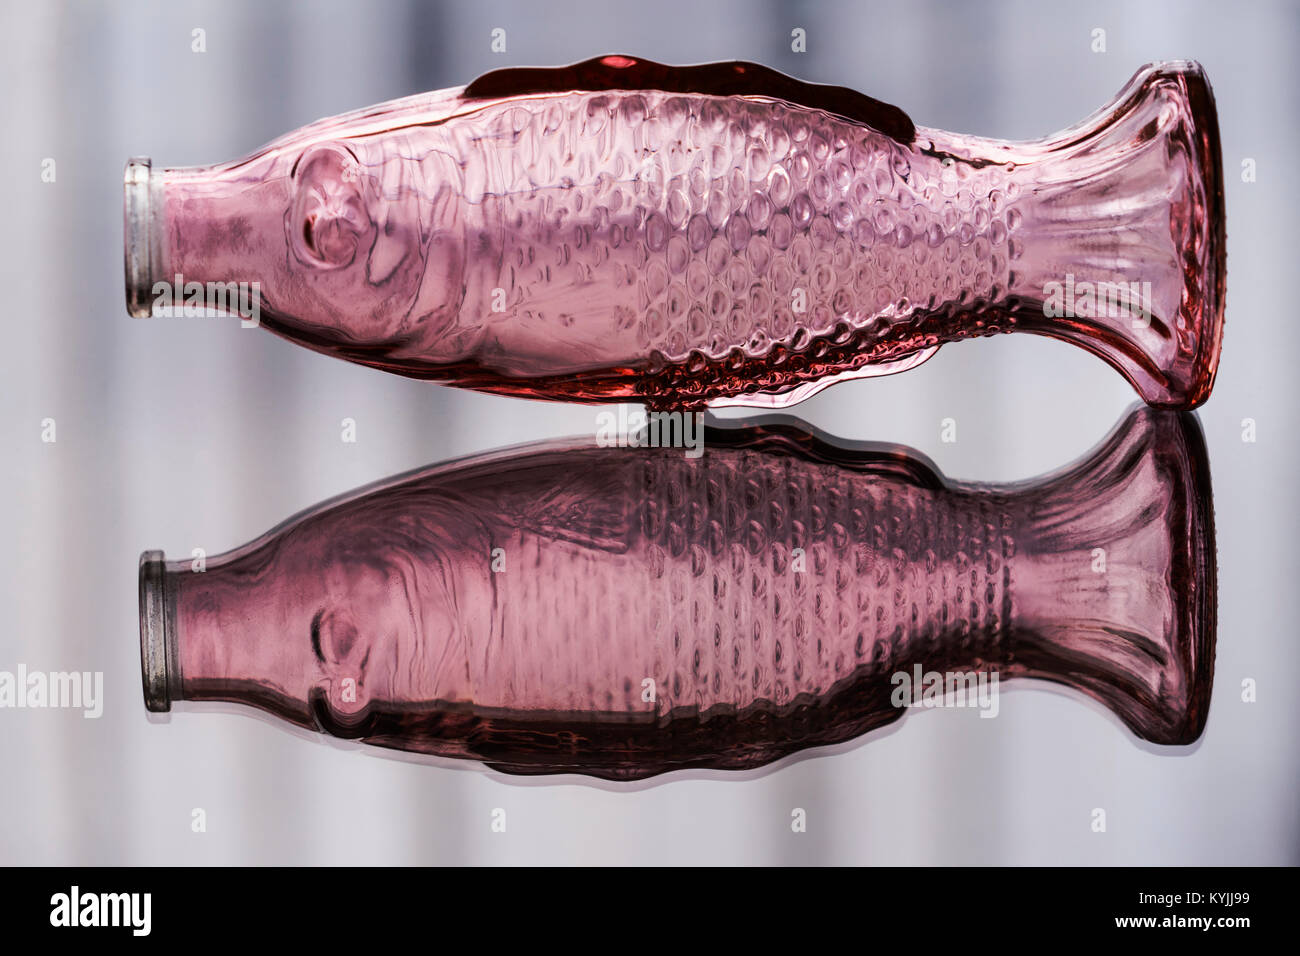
x=740, y=579
x=729, y=226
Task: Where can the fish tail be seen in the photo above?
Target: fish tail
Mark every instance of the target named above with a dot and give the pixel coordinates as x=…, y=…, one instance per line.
x=1123, y=240
x=1116, y=578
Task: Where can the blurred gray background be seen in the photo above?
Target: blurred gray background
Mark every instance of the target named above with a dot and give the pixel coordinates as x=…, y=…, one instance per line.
x=184, y=434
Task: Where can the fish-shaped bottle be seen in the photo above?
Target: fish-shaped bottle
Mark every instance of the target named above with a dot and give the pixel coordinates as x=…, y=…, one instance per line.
x=622, y=612
x=620, y=230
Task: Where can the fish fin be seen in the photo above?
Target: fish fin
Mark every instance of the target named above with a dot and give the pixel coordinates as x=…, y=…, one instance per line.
x=790, y=397
x=737, y=78
x=1124, y=249
x=1120, y=599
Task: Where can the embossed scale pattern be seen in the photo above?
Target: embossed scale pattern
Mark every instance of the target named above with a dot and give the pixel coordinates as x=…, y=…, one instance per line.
x=713, y=227
x=705, y=596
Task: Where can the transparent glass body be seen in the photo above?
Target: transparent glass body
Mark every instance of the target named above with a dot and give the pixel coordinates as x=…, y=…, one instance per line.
x=620, y=230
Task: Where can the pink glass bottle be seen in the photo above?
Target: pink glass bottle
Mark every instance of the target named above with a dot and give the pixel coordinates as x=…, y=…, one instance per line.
x=623, y=230
x=622, y=612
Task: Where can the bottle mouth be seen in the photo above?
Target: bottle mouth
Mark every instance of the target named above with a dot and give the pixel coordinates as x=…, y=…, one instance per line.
x=158, y=664
x=142, y=209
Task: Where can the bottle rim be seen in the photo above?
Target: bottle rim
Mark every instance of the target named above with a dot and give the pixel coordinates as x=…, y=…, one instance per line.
x=158, y=666
x=141, y=210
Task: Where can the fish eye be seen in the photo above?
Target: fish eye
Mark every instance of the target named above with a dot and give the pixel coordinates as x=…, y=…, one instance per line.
x=315, y=635
x=327, y=220
x=307, y=235
x=336, y=640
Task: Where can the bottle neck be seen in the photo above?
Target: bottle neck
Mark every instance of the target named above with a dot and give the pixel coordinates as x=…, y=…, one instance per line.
x=220, y=629
x=204, y=239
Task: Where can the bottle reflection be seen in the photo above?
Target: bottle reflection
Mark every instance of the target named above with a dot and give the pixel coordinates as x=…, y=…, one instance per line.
x=622, y=612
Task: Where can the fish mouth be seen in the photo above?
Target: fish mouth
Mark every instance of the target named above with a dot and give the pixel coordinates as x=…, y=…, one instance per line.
x=142, y=209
